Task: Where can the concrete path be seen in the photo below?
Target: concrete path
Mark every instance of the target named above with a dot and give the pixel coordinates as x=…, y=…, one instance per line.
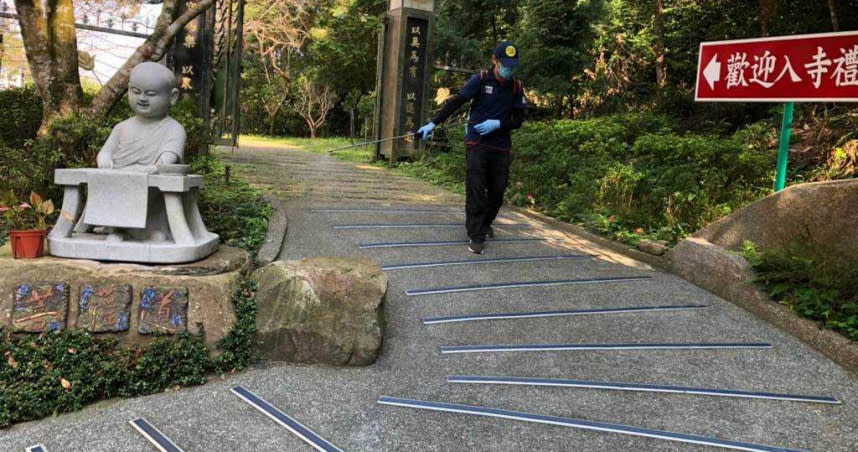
x=340, y=404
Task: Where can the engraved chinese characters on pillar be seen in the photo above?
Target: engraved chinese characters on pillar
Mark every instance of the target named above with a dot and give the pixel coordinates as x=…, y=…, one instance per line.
x=104, y=308
x=163, y=310
x=414, y=77
x=40, y=307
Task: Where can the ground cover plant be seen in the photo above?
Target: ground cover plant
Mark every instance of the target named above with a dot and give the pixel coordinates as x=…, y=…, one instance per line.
x=232, y=209
x=809, y=281
x=61, y=371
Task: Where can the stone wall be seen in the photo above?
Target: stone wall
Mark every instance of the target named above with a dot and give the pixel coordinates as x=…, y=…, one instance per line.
x=129, y=301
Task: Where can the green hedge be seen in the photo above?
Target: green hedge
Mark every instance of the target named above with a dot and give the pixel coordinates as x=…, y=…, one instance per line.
x=65, y=370
x=624, y=173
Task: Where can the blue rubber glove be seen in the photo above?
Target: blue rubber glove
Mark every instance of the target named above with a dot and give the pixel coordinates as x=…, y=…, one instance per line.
x=426, y=131
x=488, y=126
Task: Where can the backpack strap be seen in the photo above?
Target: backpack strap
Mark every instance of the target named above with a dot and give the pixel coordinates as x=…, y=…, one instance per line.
x=484, y=77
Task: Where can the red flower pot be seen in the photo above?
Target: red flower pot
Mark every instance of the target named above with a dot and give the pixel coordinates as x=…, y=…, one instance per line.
x=28, y=244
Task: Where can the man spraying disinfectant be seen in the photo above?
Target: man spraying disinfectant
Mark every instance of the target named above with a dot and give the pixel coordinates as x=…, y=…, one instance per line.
x=497, y=107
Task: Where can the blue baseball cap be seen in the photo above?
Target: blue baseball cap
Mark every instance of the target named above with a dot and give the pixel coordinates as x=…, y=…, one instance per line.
x=507, y=52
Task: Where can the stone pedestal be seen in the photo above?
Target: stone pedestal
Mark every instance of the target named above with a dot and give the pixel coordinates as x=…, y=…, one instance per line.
x=128, y=301
x=188, y=241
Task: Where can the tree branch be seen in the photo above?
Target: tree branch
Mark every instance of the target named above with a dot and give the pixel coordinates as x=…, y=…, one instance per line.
x=153, y=49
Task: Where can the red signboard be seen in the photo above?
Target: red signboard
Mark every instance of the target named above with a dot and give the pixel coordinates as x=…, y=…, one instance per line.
x=818, y=68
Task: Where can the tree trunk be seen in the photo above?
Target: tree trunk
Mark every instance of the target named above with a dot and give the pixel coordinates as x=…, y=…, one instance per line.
x=768, y=8
x=835, y=23
x=50, y=43
x=660, y=69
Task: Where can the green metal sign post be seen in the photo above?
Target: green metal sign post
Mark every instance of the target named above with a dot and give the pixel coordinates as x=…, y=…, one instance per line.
x=783, y=153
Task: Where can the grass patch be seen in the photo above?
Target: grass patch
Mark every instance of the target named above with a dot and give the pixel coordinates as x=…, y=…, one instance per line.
x=63, y=371
x=235, y=211
x=809, y=281
x=314, y=145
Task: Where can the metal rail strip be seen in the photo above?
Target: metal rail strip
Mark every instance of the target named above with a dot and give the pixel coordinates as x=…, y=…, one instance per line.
x=442, y=243
x=539, y=314
x=585, y=347
x=580, y=423
x=383, y=211
x=636, y=387
x=418, y=225
x=154, y=436
x=487, y=261
x=289, y=423
x=516, y=285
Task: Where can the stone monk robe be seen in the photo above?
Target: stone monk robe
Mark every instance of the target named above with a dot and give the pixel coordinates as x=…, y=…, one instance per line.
x=141, y=205
x=151, y=137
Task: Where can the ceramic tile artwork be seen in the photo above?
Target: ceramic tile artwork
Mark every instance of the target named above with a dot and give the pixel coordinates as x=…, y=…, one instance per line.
x=40, y=306
x=104, y=308
x=163, y=310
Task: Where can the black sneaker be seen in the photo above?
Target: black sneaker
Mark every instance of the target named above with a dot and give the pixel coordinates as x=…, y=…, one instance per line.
x=476, y=247
x=490, y=233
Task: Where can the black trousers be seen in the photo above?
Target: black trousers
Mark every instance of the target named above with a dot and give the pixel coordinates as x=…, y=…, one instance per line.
x=485, y=183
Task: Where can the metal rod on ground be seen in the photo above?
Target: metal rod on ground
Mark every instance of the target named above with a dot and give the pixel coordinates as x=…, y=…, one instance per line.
x=561, y=383
x=517, y=285
x=566, y=313
x=599, y=347
x=578, y=423
x=154, y=436
x=288, y=422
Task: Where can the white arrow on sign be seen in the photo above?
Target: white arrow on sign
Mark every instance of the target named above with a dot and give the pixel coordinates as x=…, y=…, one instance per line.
x=712, y=73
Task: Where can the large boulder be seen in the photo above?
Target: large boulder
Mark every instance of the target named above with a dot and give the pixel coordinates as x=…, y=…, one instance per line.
x=321, y=310
x=824, y=214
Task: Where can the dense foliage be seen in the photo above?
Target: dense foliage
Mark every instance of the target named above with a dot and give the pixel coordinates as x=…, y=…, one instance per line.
x=807, y=280
x=626, y=173
x=64, y=370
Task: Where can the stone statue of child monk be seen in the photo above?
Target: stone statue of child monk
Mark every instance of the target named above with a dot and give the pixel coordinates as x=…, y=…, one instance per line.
x=141, y=143
x=151, y=137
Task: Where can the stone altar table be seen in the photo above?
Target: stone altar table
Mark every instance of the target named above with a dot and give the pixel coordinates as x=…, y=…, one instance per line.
x=188, y=240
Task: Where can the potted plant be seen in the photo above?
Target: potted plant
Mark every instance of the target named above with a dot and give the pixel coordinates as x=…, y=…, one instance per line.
x=27, y=223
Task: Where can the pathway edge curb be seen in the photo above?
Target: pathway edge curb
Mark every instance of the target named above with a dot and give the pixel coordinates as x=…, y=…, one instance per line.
x=278, y=224
x=729, y=276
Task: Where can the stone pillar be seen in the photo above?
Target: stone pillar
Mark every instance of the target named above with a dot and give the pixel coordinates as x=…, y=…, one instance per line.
x=404, y=74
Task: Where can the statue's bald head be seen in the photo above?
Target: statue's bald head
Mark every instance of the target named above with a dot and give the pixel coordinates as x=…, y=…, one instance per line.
x=152, y=89
x=153, y=73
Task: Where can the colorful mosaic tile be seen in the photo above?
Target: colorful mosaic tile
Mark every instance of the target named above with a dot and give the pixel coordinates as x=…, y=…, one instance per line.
x=163, y=310
x=40, y=306
x=104, y=308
